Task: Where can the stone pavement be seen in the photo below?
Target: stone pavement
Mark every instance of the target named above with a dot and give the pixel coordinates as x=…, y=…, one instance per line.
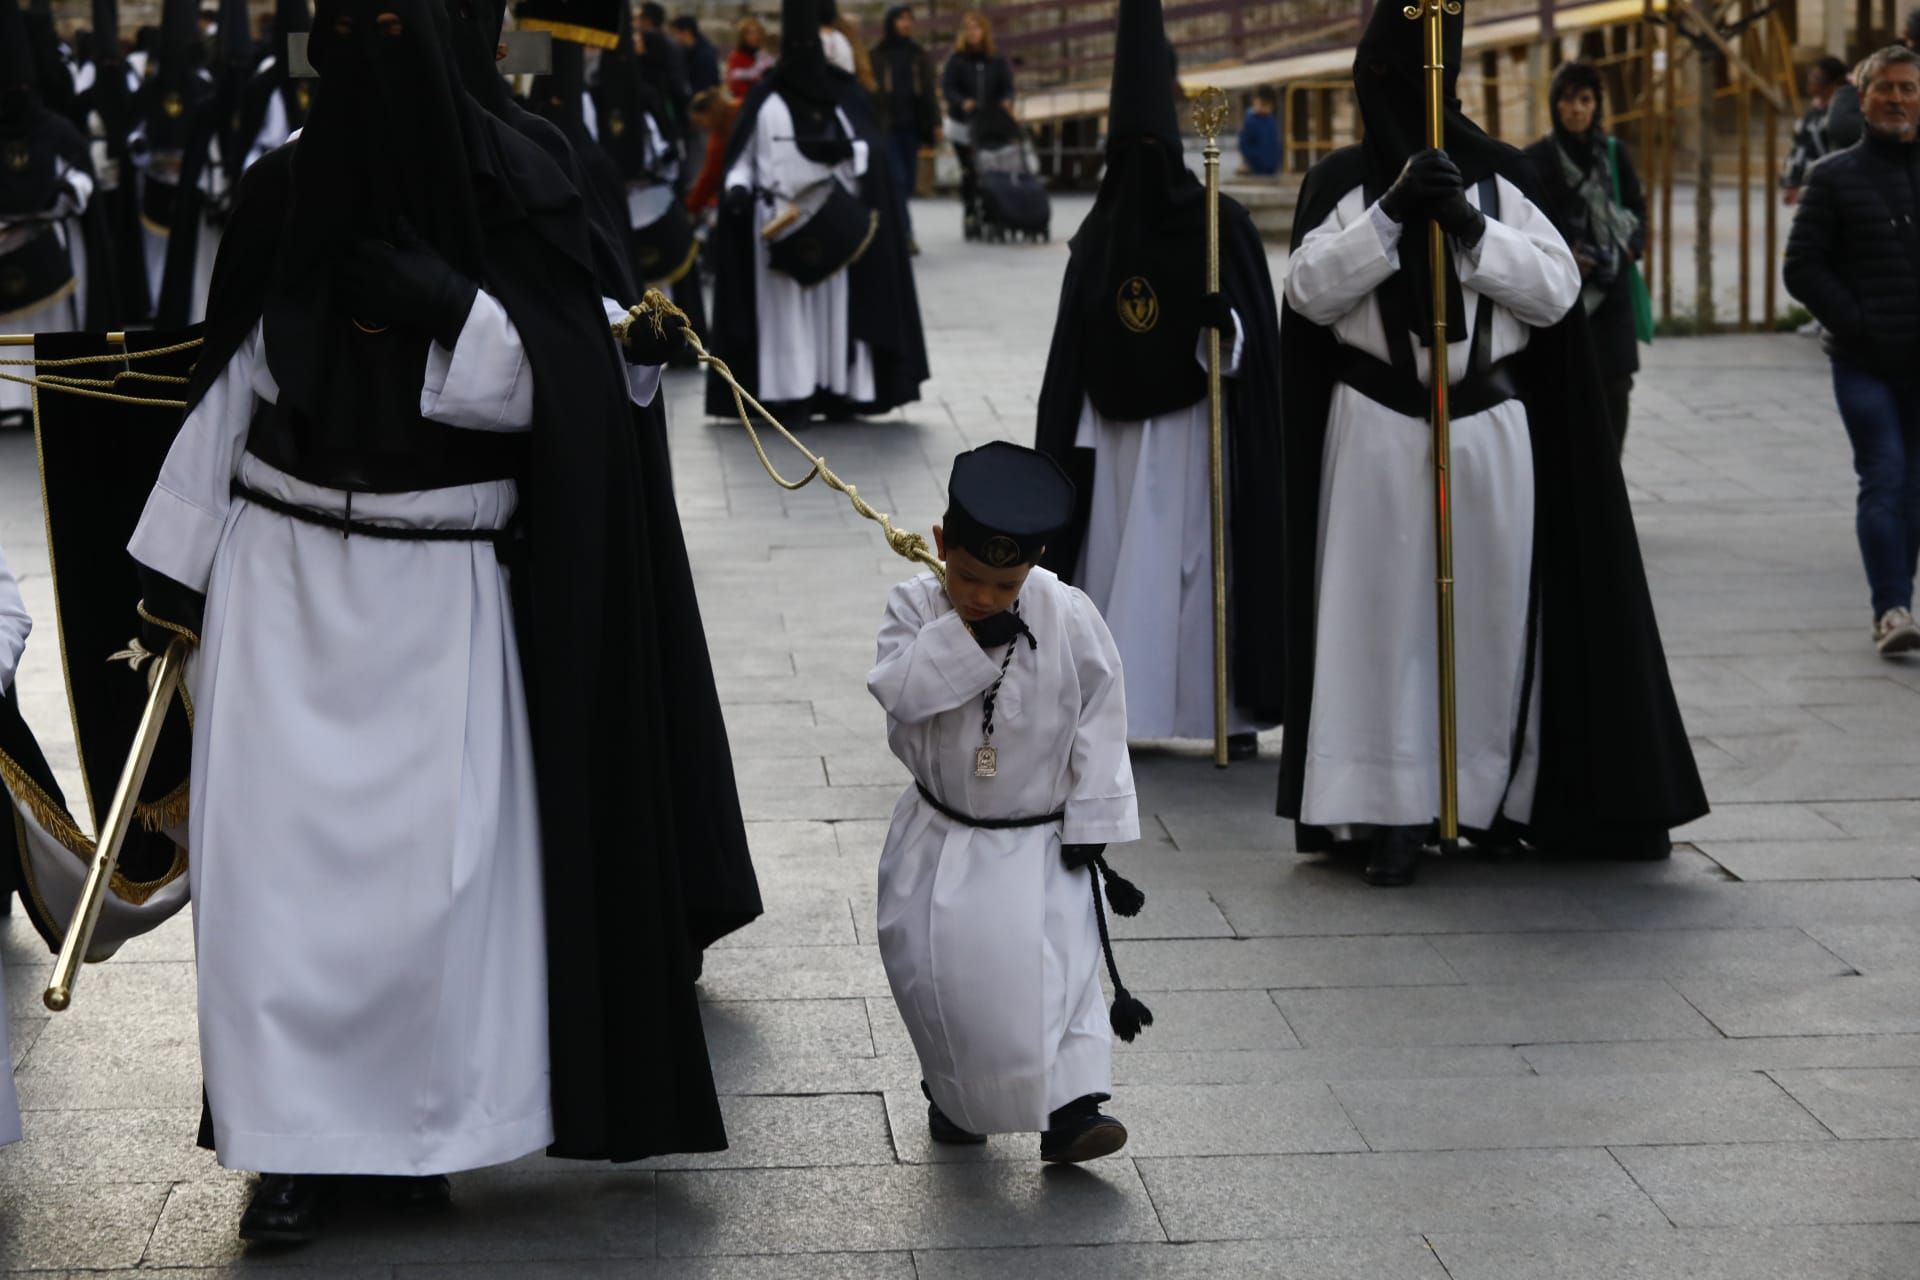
x=1708, y=1067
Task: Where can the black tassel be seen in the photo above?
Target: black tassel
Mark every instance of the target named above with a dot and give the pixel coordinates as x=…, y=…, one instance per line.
x=1077, y=856
x=1128, y=1015
x=1123, y=895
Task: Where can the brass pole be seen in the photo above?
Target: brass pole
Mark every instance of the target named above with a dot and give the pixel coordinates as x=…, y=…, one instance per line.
x=1432, y=13
x=1209, y=115
x=113, y=832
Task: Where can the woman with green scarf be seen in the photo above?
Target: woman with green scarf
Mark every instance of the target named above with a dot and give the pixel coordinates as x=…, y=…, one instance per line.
x=1587, y=185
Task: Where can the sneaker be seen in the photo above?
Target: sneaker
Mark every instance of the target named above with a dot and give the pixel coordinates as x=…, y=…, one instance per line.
x=1080, y=1131
x=1896, y=633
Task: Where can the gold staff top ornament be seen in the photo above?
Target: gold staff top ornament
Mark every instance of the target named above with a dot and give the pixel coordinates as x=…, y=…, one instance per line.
x=1210, y=110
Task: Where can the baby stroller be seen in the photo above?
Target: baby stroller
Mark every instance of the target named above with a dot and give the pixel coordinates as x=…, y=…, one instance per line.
x=1009, y=202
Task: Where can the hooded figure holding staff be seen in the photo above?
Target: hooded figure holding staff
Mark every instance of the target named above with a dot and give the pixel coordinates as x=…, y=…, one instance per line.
x=1124, y=410
x=1569, y=734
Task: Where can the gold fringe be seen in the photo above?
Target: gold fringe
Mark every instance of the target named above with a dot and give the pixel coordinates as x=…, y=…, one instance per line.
x=52, y=816
x=570, y=31
x=169, y=811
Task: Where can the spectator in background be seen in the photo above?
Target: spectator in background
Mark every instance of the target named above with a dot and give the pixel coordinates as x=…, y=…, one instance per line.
x=977, y=84
x=1852, y=261
x=1845, y=125
x=1260, y=134
x=713, y=112
x=833, y=37
x=702, y=59
x=1588, y=187
x=749, y=59
x=664, y=60
x=1810, y=143
x=909, y=103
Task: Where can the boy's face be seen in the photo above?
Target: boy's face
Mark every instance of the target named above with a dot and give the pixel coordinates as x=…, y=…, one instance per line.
x=977, y=589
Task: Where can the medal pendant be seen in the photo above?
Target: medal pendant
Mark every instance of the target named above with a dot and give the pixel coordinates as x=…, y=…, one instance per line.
x=986, y=763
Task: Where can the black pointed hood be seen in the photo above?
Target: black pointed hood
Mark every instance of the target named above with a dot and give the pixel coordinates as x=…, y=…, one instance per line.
x=16, y=55
x=106, y=33
x=173, y=89
x=622, y=101
x=557, y=94
x=1140, y=256
x=1140, y=104
x=803, y=71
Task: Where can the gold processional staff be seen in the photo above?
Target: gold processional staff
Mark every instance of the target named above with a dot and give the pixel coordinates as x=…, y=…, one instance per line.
x=1432, y=14
x=1209, y=116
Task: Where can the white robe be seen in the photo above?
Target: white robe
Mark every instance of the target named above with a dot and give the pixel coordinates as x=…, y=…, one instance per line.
x=366, y=857
x=1372, y=753
x=14, y=626
x=1147, y=562
x=989, y=941
x=165, y=168
x=61, y=314
x=806, y=344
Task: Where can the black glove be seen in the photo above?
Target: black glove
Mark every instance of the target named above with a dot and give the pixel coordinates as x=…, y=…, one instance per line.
x=408, y=284
x=1459, y=219
x=738, y=201
x=1428, y=179
x=829, y=150
x=1002, y=628
x=169, y=611
x=1077, y=856
x=1215, y=313
x=644, y=346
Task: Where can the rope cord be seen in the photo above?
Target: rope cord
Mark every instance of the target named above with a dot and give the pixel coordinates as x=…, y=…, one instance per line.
x=655, y=307
x=92, y=388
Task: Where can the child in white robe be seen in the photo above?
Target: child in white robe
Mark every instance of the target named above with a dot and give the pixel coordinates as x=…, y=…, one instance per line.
x=1004, y=696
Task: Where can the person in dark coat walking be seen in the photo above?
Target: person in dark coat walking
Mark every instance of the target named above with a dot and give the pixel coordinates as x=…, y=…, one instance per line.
x=1853, y=260
x=702, y=59
x=908, y=100
x=977, y=84
x=1588, y=187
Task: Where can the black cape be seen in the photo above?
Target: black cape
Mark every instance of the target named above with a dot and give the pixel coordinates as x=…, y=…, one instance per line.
x=643, y=846
x=1253, y=443
x=1616, y=769
x=883, y=310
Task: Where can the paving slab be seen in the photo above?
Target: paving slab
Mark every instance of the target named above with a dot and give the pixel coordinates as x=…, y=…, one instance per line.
x=1821, y=1006
x=1273, y=963
x=1326, y=1258
x=1238, y=1197
x=1889, y=947
x=1640, y=953
x=1790, y=1253
x=1756, y=1053
x=1492, y=1013
x=821, y=1266
x=74, y=1224
x=1865, y=1102
x=1765, y=1185
x=1816, y=859
x=1574, y=1111
x=902, y=1207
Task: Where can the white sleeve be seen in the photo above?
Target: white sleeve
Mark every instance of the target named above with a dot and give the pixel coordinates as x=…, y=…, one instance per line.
x=922, y=667
x=1230, y=352
x=1522, y=262
x=485, y=382
x=1339, y=264
x=861, y=151
x=643, y=380
x=180, y=528
x=15, y=625
x=1101, y=808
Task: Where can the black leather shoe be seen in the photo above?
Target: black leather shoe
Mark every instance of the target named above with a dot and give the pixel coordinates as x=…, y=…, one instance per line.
x=429, y=1194
x=1392, y=857
x=943, y=1130
x=287, y=1208
x=1243, y=746
x=1079, y=1132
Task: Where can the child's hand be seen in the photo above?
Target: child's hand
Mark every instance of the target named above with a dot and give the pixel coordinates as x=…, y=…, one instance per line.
x=1002, y=628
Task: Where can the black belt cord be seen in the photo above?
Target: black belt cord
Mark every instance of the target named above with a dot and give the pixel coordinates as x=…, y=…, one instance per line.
x=346, y=526
x=1127, y=1015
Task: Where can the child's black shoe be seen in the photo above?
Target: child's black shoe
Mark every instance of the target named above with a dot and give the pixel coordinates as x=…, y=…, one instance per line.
x=1079, y=1132
x=941, y=1129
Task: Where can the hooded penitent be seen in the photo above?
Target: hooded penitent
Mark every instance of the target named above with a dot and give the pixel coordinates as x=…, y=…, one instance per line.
x=623, y=101
x=1129, y=324
x=1615, y=765
x=1389, y=81
x=643, y=851
x=1144, y=244
x=173, y=90
x=290, y=17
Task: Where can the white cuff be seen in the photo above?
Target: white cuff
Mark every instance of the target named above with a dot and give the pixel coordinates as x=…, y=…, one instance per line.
x=1389, y=232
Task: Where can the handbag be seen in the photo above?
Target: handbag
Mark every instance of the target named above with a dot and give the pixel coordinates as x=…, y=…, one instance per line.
x=1636, y=283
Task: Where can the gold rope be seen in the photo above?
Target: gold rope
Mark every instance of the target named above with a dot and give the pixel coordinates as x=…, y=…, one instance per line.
x=89, y=387
x=655, y=307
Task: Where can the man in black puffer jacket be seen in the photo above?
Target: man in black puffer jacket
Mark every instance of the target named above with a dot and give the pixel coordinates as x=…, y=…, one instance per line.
x=1854, y=260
